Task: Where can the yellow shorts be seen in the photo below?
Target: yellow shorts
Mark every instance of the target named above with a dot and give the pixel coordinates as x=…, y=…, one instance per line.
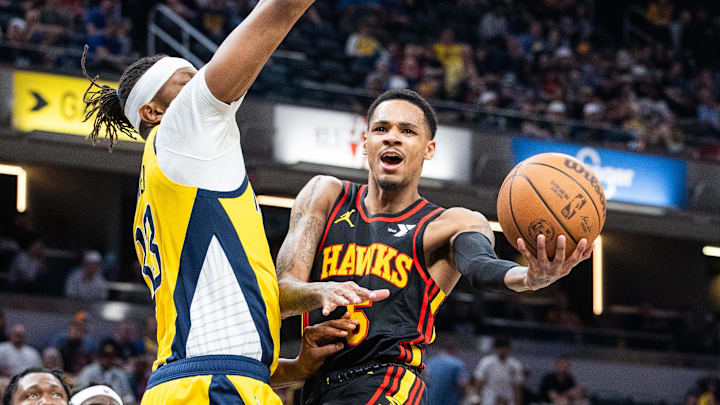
x=207, y=389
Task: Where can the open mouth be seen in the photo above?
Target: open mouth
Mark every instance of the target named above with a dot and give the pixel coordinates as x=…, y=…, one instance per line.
x=391, y=160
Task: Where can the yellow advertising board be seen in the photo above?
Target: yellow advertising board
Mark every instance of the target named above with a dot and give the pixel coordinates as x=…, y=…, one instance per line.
x=52, y=103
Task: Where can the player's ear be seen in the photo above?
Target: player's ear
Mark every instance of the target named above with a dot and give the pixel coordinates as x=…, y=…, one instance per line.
x=151, y=112
x=430, y=150
x=364, y=139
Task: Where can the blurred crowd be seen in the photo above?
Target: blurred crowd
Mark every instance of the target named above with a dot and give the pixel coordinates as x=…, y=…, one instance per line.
x=52, y=26
x=551, y=58
x=122, y=361
x=498, y=379
x=515, y=60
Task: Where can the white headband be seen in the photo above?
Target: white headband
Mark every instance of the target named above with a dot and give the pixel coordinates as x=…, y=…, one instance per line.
x=94, y=391
x=149, y=84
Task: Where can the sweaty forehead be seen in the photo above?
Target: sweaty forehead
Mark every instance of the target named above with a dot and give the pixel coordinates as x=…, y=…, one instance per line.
x=399, y=111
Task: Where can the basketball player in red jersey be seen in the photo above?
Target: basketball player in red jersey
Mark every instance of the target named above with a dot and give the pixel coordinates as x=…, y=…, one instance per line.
x=389, y=257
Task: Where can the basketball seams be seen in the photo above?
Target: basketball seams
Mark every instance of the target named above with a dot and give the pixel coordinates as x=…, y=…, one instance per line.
x=512, y=212
x=547, y=206
x=601, y=221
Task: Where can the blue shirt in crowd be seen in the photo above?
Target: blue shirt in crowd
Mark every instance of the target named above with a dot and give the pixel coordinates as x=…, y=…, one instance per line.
x=446, y=374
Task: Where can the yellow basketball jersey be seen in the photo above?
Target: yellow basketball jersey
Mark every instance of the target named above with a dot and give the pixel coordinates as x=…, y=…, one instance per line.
x=206, y=260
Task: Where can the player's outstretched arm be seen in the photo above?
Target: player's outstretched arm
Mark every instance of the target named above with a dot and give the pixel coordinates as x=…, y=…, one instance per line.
x=297, y=253
x=241, y=56
x=318, y=342
x=472, y=253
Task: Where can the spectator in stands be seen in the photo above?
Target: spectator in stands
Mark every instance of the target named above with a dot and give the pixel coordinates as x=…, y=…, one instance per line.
x=87, y=282
x=55, y=17
x=450, y=54
x=499, y=377
x=76, y=346
x=98, y=18
x=214, y=19
x=110, y=49
x=708, y=110
x=29, y=264
x=140, y=369
x=150, y=335
x=52, y=359
x=447, y=376
x=709, y=388
x=47, y=387
x=593, y=114
x=128, y=346
x=362, y=43
x=659, y=14
x=96, y=395
x=104, y=370
x=15, y=355
x=533, y=41
x=558, y=386
x=494, y=24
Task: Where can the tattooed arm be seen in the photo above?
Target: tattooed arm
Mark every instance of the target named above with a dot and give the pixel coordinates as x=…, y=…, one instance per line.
x=295, y=259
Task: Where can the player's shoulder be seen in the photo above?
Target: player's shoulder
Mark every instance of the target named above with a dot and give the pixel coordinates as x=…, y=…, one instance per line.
x=320, y=192
x=459, y=218
x=461, y=213
x=326, y=184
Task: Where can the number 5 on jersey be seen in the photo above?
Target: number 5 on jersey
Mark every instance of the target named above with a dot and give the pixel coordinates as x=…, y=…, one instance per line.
x=357, y=314
x=145, y=240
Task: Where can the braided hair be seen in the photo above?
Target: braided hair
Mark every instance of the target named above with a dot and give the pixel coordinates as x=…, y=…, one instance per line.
x=107, y=104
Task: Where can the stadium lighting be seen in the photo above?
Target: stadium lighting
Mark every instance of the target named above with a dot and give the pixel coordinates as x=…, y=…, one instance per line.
x=275, y=201
x=598, y=277
x=21, y=175
x=713, y=251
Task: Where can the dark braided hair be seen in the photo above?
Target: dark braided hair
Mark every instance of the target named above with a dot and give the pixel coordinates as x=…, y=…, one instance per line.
x=107, y=103
x=15, y=381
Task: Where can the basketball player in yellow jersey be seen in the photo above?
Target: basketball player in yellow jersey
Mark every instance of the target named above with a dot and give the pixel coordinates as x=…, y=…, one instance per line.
x=198, y=230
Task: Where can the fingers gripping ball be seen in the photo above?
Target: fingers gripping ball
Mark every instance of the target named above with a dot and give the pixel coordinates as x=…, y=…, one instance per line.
x=551, y=194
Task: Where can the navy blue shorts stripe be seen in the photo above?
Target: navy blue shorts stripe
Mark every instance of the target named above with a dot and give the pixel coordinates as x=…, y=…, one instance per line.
x=223, y=392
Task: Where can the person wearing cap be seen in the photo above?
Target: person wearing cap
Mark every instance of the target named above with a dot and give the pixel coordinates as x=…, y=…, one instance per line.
x=198, y=230
x=104, y=370
x=87, y=282
x=96, y=395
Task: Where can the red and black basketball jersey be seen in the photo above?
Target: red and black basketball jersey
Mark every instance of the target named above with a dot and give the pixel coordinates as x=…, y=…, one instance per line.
x=379, y=251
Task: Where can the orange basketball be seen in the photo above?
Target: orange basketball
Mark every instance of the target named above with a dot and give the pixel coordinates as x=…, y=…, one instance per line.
x=553, y=194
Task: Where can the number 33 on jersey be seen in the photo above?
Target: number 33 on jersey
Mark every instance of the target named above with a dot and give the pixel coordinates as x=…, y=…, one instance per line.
x=205, y=258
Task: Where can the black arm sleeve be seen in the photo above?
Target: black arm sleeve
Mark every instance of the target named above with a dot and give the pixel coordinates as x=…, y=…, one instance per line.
x=476, y=260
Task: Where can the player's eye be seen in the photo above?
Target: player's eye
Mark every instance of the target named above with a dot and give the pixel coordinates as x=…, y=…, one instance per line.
x=379, y=129
x=408, y=131
x=33, y=395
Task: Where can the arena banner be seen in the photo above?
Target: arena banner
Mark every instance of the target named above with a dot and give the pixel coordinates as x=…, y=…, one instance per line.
x=51, y=103
x=625, y=176
x=334, y=138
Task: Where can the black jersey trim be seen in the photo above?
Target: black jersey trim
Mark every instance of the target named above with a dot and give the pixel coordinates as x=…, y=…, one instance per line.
x=411, y=210
x=418, y=248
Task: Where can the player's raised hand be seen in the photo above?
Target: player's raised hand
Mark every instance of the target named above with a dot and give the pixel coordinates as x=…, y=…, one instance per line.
x=333, y=294
x=542, y=271
x=322, y=340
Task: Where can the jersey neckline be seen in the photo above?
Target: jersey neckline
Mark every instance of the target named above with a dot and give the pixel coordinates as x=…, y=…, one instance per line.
x=409, y=211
